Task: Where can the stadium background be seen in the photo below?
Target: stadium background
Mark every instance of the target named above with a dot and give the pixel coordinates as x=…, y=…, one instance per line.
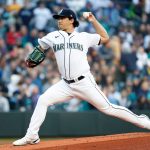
x=121, y=67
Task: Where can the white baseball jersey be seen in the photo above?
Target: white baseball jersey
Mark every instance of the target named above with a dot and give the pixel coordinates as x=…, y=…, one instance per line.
x=70, y=51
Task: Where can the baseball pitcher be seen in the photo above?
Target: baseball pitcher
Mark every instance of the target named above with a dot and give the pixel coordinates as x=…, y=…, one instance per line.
x=70, y=49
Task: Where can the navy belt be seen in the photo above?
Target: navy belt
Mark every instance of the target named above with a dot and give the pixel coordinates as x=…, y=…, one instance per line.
x=74, y=80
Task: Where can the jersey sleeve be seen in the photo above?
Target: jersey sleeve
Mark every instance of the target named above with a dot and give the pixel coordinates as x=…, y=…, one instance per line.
x=92, y=39
x=46, y=41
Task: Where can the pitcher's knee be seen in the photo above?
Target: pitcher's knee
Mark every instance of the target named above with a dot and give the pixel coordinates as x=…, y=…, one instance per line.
x=107, y=110
x=42, y=100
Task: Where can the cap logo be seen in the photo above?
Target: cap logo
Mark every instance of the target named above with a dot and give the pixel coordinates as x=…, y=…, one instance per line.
x=60, y=11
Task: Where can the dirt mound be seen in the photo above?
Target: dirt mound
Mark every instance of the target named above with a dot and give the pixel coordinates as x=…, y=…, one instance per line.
x=129, y=141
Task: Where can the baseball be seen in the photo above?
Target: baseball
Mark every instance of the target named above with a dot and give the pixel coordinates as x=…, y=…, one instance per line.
x=86, y=14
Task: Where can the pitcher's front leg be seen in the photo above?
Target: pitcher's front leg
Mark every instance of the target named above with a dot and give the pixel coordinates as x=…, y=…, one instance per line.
x=59, y=92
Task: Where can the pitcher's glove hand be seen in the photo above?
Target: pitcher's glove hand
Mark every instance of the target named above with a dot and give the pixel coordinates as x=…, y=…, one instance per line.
x=35, y=58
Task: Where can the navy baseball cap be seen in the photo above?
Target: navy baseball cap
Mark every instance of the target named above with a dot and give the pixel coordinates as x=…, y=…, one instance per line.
x=69, y=14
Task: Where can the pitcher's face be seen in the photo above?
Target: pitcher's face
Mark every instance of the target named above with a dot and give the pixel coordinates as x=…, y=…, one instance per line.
x=64, y=23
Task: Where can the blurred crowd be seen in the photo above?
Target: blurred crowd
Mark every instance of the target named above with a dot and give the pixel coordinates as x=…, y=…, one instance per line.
x=121, y=67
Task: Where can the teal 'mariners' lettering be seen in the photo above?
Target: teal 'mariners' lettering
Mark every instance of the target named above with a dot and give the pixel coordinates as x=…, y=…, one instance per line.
x=58, y=47
x=77, y=46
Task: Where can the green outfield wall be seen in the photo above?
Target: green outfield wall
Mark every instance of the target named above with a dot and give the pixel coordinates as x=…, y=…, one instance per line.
x=63, y=124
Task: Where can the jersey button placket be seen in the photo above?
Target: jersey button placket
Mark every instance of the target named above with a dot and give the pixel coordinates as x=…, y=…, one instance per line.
x=67, y=61
x=70, y=56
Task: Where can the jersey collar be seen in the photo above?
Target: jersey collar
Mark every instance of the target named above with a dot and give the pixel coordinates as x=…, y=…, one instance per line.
x=66, y=34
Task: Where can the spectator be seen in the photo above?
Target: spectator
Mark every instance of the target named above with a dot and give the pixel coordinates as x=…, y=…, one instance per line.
x=3, y=48
x=147, y=7
x=11, y=37
x=106, y=53
x=33, y=36
x=23, y=36
x=41, y=16
x=114, y=96
x=146, y=70
x=14, y=7
x=75, y=4
x=147, y=37
x=115, y=45
x=2, y=29
x=4, y=102
x=123, y=101
x=34, y=96
x=142, y=58
x=143, y=95
x=26, y=14
x=73, y=105
x=129, y=60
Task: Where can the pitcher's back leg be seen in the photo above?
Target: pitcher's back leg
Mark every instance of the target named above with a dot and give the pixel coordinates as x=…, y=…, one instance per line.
x=92, y=93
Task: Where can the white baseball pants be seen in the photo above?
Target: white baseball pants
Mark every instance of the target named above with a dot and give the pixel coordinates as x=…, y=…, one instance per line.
x=86, y=89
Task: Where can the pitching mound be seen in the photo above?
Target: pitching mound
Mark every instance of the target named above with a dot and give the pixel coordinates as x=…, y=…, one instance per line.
x=130, y=141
